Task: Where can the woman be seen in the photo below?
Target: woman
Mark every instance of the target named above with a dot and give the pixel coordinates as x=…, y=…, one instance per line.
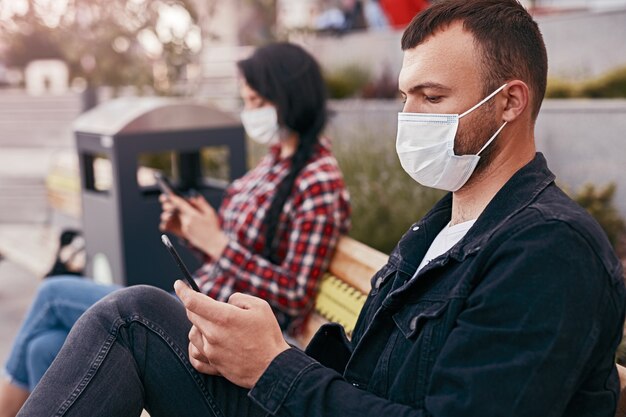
x=273, y=236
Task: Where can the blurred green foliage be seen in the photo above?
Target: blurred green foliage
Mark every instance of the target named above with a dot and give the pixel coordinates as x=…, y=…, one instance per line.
x=214, y=162
x=163, y=161
x=383, y=87
x=598, y=201
x=610, y=85
x=560, y=89
x=354, y=81
x=346, y=82
x=385, y=200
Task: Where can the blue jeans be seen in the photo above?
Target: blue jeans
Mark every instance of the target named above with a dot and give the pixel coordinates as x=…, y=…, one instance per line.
x=59, y=302
x=129, y=352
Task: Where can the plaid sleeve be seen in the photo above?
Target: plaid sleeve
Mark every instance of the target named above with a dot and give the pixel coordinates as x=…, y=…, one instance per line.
x=290, y=287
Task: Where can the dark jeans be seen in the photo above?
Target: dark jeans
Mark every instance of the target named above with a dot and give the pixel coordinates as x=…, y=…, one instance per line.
x=129, y=352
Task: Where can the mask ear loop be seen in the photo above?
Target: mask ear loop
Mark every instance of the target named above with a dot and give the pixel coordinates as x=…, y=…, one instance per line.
x=483, y=101
x=491, y=139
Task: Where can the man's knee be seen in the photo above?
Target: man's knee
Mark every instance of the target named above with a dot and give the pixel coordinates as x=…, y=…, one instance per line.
x=135, y=300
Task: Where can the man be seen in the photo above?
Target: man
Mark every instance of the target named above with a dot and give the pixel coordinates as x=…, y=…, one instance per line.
x=505, y=300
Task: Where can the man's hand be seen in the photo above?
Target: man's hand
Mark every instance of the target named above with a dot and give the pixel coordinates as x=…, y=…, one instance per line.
x=194, y=220
x=238, y=339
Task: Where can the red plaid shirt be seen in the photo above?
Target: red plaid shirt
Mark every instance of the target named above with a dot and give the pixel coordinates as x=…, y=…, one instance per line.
x=310, y=224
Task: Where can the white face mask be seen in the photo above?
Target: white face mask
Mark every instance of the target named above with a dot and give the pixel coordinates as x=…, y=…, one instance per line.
x=261, y=124
x=425, y=146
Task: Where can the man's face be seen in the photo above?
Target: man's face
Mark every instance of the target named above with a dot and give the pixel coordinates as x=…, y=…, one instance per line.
x=443, y=75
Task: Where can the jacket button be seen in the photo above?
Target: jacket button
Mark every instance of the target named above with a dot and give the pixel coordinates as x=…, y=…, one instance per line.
x=379, y=281
x=413, y=323
x=416, y=228
x=355, y=384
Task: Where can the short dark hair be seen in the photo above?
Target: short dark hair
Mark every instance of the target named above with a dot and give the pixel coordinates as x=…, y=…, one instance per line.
x=291, y=79
x=511, y=43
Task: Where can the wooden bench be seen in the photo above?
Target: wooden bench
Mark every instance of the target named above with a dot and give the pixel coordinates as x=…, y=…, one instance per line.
x=344, y=287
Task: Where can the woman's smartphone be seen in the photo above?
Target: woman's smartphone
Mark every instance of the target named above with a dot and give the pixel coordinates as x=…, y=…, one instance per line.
x=164, y=184
x=179, y=262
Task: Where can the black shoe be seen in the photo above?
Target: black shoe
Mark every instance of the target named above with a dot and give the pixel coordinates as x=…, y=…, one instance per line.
x=61, y=267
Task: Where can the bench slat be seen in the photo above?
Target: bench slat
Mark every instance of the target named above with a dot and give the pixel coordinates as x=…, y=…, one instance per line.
x=343, y=290
x=356, y=263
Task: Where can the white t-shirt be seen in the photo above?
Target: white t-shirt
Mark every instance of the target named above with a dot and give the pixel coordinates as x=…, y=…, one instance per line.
x=445, y=240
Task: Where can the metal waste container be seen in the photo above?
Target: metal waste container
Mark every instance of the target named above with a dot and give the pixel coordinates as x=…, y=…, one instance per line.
x=120, y=207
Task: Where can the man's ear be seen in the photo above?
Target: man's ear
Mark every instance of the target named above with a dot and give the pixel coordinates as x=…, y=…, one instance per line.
x=516, y=100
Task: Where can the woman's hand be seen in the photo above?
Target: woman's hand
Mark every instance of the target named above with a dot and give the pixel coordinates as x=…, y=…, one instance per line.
x=194, y=220
x=170, y=222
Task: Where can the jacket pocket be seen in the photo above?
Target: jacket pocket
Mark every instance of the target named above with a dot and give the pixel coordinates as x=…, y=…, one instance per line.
x=382, y=277
x=421, y=331
x=411, y=320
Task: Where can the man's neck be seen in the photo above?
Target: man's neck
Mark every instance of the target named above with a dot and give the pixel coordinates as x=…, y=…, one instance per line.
x=472, y=199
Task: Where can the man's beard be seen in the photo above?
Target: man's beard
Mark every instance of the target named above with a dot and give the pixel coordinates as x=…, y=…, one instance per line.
x=473, y=137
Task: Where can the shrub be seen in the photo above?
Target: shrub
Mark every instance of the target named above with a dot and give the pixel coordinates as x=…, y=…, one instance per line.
x=385, y=200
x=560, y=89
x=384, y=87
x=346, y=82
x=599, y=203
x=611, y=85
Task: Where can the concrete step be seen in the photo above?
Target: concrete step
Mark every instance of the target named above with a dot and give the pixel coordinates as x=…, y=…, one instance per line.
x=23, y=200
x=37, y=121
x=24, y=211
x=48, y=115
x=29, y=134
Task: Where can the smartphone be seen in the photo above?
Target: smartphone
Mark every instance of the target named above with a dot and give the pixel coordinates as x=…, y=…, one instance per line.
x=179, y=262
x=164, y=184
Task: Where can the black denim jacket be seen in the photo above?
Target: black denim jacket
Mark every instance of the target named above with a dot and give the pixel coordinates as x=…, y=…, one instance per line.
x=521, y=318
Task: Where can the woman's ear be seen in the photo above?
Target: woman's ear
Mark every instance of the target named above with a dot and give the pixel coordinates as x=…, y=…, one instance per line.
x=516, y=100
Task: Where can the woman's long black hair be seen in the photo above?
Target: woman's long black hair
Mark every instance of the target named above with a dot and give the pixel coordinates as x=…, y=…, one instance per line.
x=290, y=78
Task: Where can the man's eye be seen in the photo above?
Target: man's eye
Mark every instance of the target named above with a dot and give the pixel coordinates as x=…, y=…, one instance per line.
x=433, y=99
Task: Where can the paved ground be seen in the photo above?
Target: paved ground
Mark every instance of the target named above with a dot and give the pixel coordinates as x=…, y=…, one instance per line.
x=27, y=252
x=17, y=286
x=34, y=130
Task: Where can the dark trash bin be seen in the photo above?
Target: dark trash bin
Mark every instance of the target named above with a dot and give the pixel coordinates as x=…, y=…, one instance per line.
x=120, y=206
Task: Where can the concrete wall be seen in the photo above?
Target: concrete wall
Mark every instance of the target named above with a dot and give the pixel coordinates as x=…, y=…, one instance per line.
x=583, y=140
x=584, y=44
x=374, y=51
x=579, y=44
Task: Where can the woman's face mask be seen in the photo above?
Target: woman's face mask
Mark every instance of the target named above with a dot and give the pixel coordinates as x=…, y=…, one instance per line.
x=261, y=124
x=425, y=146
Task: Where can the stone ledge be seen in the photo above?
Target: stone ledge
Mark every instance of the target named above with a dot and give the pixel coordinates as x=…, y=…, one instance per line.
x=31, y=246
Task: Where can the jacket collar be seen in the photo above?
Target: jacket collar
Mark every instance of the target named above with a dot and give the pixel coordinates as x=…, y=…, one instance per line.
x=519, y=192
